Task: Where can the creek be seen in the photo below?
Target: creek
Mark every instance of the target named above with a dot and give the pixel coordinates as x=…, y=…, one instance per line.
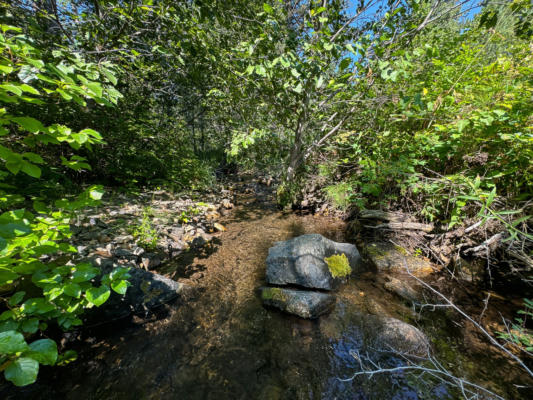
x=220, y=342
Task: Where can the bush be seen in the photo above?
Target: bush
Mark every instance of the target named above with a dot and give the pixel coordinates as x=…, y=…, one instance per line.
x=36, y=288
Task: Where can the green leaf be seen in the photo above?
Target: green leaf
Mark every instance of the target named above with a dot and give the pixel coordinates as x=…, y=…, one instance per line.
x=34, y=158
x=462, y=124
x=7, y=276
x=22, y=371
x=345, y=63
x=84, y=272
x=16, y=298
x=73, y=290
x=30, y=124
x=14, y=165
x=30, y=169
x=44, y=351
x=110, y=76
x=91, y=132
x=96, y=88
x=30, y=325
x=8, y=87
x=268, y=9
x=6, y=69
x=260, y=70
x=98, y=296
x=29, y=89
x=96, y=192
x=120, y=286
x=12, y=342
x=37, y=306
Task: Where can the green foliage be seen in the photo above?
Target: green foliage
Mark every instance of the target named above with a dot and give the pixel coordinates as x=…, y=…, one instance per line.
x=338, y=265
x=517, y=333
x=453, y=132
x=339, y=195
x=34, y=292
x=145, y=233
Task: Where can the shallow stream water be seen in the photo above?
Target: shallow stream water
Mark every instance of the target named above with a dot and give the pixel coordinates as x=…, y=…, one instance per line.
x=219, y=342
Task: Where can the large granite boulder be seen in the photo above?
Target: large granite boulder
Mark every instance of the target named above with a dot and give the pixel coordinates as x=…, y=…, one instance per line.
x=303, y=303
x=300, y=261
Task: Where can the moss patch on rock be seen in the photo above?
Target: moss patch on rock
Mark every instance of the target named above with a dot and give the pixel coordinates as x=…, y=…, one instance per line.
x=272, y=294
x=338, y=265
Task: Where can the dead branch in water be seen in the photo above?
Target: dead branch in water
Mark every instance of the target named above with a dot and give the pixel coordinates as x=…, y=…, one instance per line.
x=403, y=225
x=436, y=370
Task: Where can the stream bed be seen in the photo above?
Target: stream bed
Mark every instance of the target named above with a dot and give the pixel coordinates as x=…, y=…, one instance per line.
x=219, y=342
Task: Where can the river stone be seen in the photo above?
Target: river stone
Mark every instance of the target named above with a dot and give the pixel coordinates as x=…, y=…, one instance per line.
x=303, y=303
x=300, y=261
x=387, y=257
x=402, y=289
x=392, y=335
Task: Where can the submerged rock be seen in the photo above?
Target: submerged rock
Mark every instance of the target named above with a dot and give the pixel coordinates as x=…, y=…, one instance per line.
x=393, y=335
x=146, y=292
x=300, y=261
x=303, y=303
x=402, y=289
x=387, y=257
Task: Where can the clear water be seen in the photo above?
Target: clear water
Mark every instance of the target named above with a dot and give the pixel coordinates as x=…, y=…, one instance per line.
x=221, y=343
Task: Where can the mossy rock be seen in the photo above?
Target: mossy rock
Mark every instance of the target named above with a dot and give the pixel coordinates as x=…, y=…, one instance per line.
x=303, y=303
x=387, y=257
x=311, y=261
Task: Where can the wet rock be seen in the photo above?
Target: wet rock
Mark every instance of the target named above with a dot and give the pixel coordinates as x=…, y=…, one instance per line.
x=300, y=261
x=471, y=271
x=146, y=292
x=303, y=303
x=82, y=249
x=103, y=263
x=123, y=239
x=138, y=251
x=387, y=257
x=390, y=334
x=219, y=227
x=150, y=261
x=212, y=216
x=226, y=204
x=123, y=253
x=96, y=221
x=402, y=289
x=102, y=252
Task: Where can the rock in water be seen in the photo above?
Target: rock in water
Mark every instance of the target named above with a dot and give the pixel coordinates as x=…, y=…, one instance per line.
x=402, y=289
x=303, y=303
x=146, y=291
x=387, y=257
x=300, y=261
x=393, y=335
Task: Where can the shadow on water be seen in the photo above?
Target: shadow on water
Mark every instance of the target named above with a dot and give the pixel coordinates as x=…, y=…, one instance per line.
x=221, y=343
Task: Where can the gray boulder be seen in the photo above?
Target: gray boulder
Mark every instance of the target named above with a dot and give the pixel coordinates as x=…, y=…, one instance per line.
x=300, y=261
x=303, y=303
